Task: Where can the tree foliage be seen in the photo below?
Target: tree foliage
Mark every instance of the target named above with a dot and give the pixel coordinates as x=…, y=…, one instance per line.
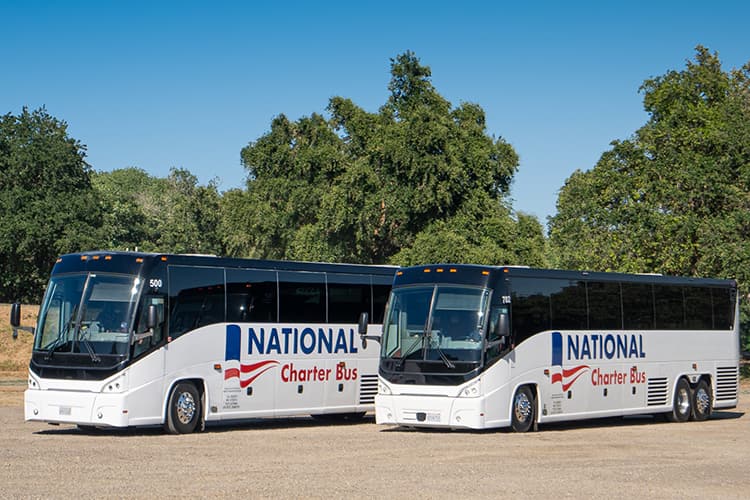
x=674, y=198
x=47, y=204
x=173, y=214
x=417, y=181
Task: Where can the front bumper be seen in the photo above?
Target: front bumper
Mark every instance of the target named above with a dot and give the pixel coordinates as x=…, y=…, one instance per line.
x=72, y=407
x=430, y=411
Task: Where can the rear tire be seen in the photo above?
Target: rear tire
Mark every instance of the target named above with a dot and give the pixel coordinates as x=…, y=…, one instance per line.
x=523, y=412
x=702, y=401
x=183, y=409
x=682, y=405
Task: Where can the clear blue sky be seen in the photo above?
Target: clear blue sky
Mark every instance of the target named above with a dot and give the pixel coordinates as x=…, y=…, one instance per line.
x=188, y=84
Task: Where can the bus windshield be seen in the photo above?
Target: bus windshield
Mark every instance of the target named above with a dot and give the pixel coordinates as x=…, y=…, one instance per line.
x=435, y=323
x=89, y=314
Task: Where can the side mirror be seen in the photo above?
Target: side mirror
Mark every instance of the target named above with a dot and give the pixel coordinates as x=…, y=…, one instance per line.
x=500, y=328
x=15, y=320
x=152, y=317
x=364, y=319
x=15, y=314
x=503, y=326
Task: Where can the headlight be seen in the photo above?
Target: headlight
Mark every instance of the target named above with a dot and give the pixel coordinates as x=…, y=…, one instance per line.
x=33, y=383
x=115, y=385
x=470, y=391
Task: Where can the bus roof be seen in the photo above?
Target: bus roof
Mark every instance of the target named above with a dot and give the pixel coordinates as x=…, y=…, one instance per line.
x=133, y=262
x=481, y=275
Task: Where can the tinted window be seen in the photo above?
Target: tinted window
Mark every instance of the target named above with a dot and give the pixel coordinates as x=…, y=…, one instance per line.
x=348, y=297
x=698, y=310
x=605, y=307
x=251, y=296
x=568, y=305
x=723, y=308
x=638, y=306
x=196, y=298
x=380, y=295
x=530, y=312
x=670, y=311
x=302, y=297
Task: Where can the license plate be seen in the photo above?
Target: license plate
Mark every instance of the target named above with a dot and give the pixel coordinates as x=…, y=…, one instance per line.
x=65, y=410
x=433, y=417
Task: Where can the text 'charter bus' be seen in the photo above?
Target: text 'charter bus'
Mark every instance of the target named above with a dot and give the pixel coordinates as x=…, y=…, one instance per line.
x=135, y=339
x=468, y=346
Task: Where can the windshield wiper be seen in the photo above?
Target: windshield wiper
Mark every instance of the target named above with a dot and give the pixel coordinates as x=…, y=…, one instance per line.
x=421, y=339
x=61, y=339
x=445, y=359
x=88, y=346
x=410, y=350
x=53, y=346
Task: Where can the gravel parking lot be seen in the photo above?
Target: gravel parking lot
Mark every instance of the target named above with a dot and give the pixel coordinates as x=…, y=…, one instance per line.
x=613, y=458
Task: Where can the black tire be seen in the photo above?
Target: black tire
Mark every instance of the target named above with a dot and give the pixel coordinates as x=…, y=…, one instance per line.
x=702, y=401
x=523, y=411
x=682, y=403
x=183, y=409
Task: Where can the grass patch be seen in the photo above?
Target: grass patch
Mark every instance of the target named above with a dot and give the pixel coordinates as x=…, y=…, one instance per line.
x=15, y=354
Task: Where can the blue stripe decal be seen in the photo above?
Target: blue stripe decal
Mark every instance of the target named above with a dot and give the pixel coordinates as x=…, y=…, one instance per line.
x=233, y=343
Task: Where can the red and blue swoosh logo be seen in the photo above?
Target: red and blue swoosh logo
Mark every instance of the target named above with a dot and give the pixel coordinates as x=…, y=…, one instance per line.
x=245, y=373
x=566, y=376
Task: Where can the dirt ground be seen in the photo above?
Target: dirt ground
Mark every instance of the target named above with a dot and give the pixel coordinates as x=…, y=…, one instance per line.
x=613, y=458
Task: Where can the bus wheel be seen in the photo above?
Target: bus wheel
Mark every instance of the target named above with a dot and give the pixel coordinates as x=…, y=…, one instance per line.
x=702, y=401
x=523, y=413
x=184, y=409
x=681, y=405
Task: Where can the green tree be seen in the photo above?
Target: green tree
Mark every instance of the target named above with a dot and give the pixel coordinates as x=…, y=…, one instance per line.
x=173, y=214
x=190, y=214
x=47, y=203
x=416, y=181
x=675, y=197
x=128, y=198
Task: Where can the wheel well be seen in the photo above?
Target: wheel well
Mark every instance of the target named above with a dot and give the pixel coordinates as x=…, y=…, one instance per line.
x=199, y=386
x=534, y=392
x=704, y=376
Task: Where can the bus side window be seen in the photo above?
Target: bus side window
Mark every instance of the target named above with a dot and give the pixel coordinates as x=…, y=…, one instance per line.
x=196, y=298
x=251, y=296
x=348, y=297
x=302, y=297
x=380, y=293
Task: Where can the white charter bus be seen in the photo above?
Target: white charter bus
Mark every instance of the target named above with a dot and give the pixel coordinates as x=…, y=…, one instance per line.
x=135, y=339
x=468, y=346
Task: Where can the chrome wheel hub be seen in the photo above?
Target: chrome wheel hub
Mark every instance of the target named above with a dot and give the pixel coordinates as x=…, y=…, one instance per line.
x=702, y=401
x=683, y=401
x=522, y=407
x=185, y=408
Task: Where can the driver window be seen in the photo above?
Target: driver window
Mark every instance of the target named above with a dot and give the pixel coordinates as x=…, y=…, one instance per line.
x=497, y=342
x=145, y=344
